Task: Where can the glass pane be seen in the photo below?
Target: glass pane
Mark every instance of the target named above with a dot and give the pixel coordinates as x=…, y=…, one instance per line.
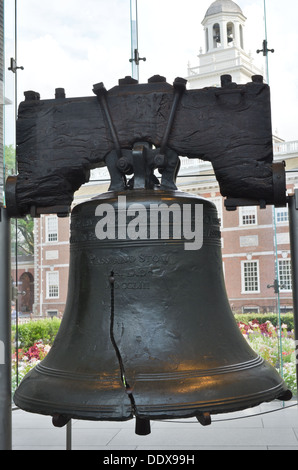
x=2, y=104
x=9, y=159
x=9, y=87
x=70, y=50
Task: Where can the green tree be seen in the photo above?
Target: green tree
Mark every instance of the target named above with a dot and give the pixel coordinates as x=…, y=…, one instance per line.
x=25, y=235
x=9, y=160
x=22, y=229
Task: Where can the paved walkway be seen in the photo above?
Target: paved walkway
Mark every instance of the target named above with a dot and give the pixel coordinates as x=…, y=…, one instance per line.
x=270, y=426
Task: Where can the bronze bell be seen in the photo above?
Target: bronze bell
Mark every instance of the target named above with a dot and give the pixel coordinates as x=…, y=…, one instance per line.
x=147, y=330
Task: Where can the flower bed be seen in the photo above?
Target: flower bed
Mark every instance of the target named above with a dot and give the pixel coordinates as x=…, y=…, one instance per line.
x=278, y=351
x=27, y=360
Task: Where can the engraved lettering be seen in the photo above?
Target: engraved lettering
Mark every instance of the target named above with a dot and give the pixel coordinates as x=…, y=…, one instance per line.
x=98, y=260
x=132, y=285
x=149, y=259
x=136, y=272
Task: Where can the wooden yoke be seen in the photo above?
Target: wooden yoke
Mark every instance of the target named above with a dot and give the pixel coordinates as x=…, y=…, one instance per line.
x=60, y=140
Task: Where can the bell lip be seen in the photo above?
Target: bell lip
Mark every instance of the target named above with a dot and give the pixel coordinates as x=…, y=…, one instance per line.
x=152, y=412
x=217, y=406
x=103, y=407
x=116, y=412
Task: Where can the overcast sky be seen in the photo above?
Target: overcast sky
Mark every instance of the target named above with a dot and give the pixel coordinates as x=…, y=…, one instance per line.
x=74, y=44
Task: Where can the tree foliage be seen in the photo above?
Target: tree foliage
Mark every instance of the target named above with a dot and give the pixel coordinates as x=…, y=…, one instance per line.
x=22, y=229
x=9, y=160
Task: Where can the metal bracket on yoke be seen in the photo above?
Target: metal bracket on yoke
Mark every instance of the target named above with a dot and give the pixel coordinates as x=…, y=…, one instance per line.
x=142, y=159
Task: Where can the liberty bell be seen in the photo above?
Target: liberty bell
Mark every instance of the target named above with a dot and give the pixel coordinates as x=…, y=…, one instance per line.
x=147, y=332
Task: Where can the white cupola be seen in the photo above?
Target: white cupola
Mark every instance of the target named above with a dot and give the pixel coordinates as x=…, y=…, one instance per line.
x=224, y=24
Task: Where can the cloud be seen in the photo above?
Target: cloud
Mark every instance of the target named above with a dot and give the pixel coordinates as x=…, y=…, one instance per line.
x=62, y=44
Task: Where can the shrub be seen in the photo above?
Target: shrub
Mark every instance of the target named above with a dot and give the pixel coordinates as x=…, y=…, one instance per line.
x=286, y=318
x=34, y=331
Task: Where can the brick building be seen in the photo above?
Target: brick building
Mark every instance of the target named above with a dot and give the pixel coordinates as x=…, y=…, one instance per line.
x=51, y=263
x=24, y=284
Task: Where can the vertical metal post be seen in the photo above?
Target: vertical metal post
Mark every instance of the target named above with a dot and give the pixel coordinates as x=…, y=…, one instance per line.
x=69, y=435
x=5, y=334
x=265, y=45
x=135, y=57
x=277, y=290
x=293, y=223
x=134, y=38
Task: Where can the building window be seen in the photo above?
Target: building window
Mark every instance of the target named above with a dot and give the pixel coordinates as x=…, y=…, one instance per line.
x=285, y=274
x=250, y=309
x=286, y=308
x=230, y=33
x=216, y=36
x=52, y=313
x=248, y=215
x=282, y=215
x=52, y=229
x=241, y=36
x=52, y=284
x=250, y=276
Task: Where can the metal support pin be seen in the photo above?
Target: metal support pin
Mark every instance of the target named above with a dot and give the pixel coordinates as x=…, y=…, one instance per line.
x=13, y=65
x=137, y=57
x=265, y=49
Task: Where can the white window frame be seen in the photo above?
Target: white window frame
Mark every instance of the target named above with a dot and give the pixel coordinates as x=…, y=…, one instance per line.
x=52, y=313
x=248, y=211
x=51, y=232
x=247, y=309
x=281, y=216
x=243, y=277
x=53, y=288
x=286, y=261
x=217, y=27
x=232, y=25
